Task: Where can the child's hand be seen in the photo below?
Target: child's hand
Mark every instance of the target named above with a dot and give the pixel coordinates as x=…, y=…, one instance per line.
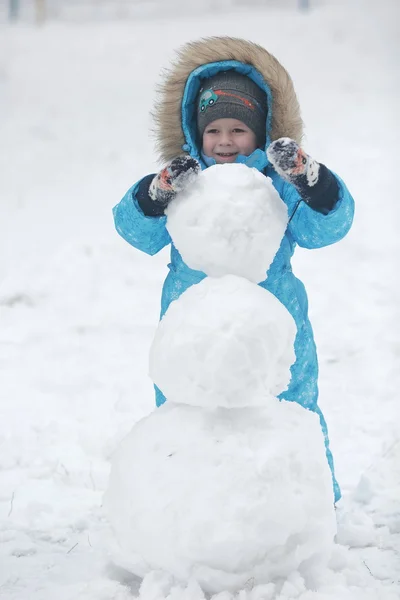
x=316, y=185
x=175, y=176
x=292, y=163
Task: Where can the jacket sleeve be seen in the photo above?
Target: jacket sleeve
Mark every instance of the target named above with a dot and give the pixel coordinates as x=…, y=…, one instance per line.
x=313, y=229
x=146, y=233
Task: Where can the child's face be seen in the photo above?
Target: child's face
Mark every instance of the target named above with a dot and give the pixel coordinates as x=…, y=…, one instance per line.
x=224, y=139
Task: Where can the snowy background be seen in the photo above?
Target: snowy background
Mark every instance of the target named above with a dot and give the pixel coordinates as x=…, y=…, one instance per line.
x=79, y=307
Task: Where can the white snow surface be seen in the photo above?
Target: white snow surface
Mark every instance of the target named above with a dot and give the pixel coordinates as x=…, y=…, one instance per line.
x=225, y=495
x=79, y=307
x=230, y=220
x=224, y=342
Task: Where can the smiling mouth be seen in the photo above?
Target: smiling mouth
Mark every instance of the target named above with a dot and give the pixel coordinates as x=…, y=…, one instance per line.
x=226, y=153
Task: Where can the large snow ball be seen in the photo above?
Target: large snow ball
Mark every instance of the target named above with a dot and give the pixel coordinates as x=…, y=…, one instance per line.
x=230, y=219
x=224, y=342
x=223, y=496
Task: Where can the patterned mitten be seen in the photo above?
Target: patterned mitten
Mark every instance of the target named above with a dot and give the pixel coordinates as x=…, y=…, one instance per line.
x=314, y=182
x=175, y=176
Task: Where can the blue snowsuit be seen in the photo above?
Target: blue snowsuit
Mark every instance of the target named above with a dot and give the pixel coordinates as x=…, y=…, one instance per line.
x=307, y=228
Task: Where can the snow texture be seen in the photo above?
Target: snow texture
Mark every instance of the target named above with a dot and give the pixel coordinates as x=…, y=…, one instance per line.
x=79, y=307
x=224, y=342
x=224, y=496
x=231, y=220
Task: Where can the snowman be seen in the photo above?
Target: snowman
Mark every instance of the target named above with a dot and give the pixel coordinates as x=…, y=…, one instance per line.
x=224, y=483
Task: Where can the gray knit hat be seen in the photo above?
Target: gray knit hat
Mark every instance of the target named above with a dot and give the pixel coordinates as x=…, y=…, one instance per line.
x=230, y=94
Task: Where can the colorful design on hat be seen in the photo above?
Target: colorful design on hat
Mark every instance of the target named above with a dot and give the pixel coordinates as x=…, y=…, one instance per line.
x=208, y=98
x=241, y=98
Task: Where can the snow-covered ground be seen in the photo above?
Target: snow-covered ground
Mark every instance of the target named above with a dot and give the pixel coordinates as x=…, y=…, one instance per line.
x=79, y=307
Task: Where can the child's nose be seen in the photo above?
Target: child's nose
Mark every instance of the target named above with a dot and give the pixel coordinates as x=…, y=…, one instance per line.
x=226, y=138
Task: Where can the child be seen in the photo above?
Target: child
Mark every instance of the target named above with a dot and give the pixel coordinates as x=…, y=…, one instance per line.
x=229, y=100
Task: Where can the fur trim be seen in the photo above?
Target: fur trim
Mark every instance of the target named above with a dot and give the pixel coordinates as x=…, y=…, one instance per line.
x=286, y=119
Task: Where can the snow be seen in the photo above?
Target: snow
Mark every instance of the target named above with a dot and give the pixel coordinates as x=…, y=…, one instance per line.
x=223, y=496
x=233, y=213
x=79, y=307
x=224, y=342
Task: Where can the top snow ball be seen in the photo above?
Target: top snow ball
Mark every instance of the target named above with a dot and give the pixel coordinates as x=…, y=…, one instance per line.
x=230, y=220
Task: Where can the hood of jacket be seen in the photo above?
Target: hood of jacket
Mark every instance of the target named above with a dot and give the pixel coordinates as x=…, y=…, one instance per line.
x=175, y=110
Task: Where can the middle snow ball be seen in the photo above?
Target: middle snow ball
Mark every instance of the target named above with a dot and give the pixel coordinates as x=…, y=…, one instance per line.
x=225, y=342
x=230, y=220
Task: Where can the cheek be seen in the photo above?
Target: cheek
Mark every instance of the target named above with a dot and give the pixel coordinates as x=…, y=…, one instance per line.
x=249, y=144
x=207, y=145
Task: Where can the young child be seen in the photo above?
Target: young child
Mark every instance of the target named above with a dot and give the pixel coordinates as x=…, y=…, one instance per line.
x=229, y=100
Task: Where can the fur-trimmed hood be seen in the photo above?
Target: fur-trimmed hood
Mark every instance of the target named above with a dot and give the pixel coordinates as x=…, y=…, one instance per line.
x=174, y=112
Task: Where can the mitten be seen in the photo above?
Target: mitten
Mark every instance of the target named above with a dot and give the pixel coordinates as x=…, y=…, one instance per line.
x=156, y=191
x=175, y=176
x=316, y=185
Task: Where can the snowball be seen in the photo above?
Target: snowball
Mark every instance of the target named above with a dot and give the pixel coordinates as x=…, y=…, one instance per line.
x=230, y=220
x=223, y=496
x=224, y=342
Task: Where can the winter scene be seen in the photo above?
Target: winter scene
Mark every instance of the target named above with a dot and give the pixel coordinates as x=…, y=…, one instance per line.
x=199, y=306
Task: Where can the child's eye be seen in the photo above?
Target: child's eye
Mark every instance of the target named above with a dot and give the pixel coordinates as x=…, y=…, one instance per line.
x=238, y=130
x=212, y=131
